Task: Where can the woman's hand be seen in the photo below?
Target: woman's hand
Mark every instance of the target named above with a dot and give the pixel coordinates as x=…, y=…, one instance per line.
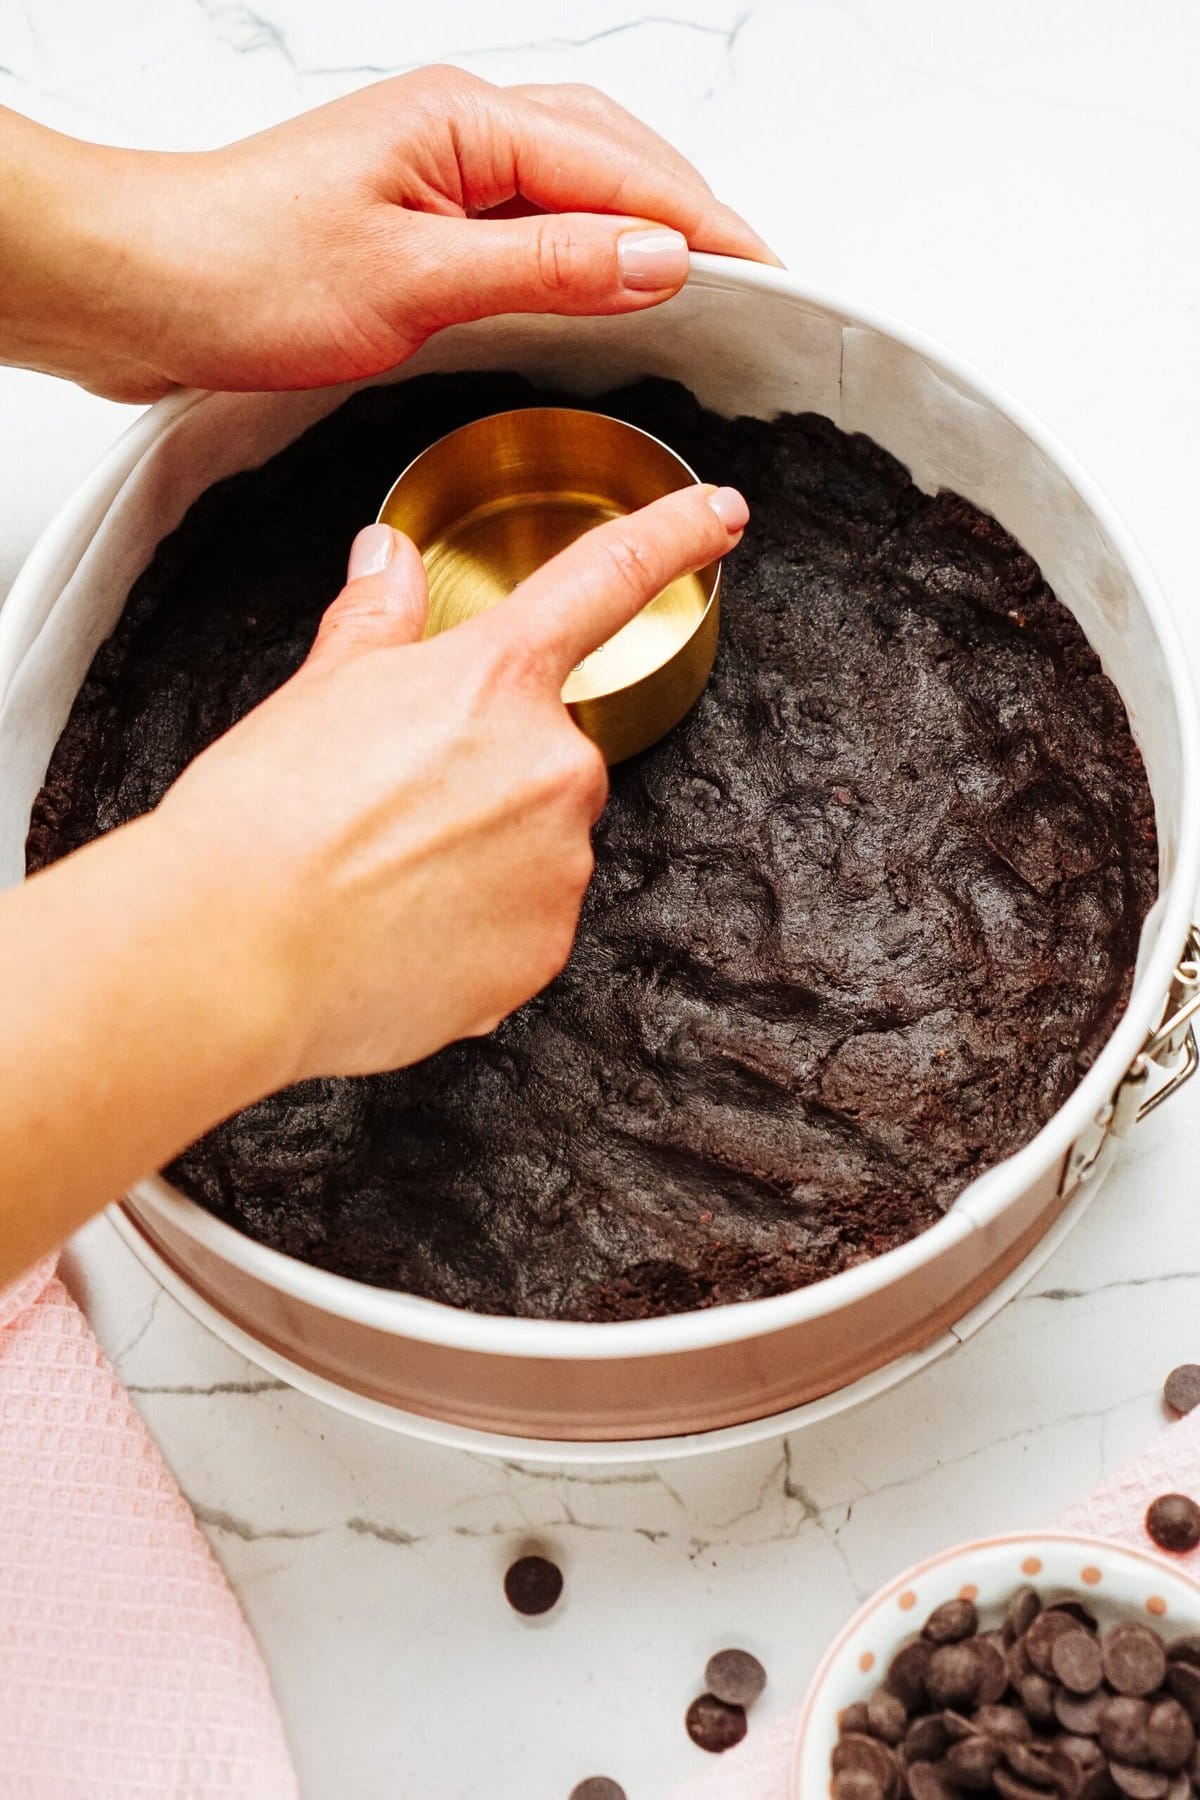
x=414, y=817
x=332, y=246
x=386, y=855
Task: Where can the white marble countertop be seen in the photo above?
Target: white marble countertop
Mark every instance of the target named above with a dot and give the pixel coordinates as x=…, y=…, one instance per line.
x=1021, y=181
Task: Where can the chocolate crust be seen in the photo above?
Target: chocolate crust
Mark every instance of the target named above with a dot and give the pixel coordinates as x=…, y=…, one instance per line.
x=857, y=927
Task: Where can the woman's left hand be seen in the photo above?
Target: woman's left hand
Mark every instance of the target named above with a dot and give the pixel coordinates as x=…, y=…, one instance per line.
x=331, y=247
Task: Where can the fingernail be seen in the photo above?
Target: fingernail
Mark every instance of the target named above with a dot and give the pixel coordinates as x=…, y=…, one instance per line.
x=652, y=259
x=729, y=507
x=371, y=551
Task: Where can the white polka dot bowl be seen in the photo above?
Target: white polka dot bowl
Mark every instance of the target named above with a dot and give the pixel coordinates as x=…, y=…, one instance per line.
x=1115, y=1582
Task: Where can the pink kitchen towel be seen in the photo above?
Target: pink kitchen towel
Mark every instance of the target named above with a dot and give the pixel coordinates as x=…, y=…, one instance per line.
x=127, y=1671
x=760, y=1767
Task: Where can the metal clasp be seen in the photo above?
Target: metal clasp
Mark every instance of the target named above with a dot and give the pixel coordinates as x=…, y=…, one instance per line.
x=1170, y=1050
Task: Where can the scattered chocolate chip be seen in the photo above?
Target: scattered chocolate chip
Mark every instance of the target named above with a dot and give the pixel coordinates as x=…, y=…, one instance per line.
x=1079, y=1714
x=1042, y=1636
x=533, y=1584
x=715, y=1726
x=735, y=1677
x=1020, y=1613
x=1138, y=1784
x=906, y=1672
x=926, y=1740
x=1183, y=1681
x=597, y=1787
x=952, y=1678
x=1173, y=1521
x=1182, y=1387
x=1076, y=1660
x=887, y=1718
x=853, y=1717
x=1134, y=1659
x=1037, y=1697
x=1124, y=1729
x=1172, y=1736
x=951, y=1621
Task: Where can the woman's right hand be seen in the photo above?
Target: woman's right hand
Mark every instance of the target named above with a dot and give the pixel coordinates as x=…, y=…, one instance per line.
x=411, y=819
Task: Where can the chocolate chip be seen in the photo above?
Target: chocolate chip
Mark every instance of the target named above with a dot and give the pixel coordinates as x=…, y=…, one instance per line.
x=906, y=1672
x=1138, y=1784
x=1134, y=1659
x=1075, y=1609
x=1184, y=1682
x=869, y=1755
x=1124, y=1729
x=952, y=1678
x=1020, y=1613
x=1182, y=1387
x=1172, y=1736
x=1030, y=1762
x=993, y=1671
x=714, y=1726
x=853, y=1717
x=1180, y=1788
x=973, y=1762
x=951, y=1621
x=926, y=1740
x=1016, y=1661
x=1185, y=1649
x=1075, y=1659
x=887, y=1718
x=856, y=1784
x=1080, y=1713
x=1083, y=1751
x=1007, y=1724
x=533, y=1584
x=735, y=1677
x=1173, y=1521
x=1037, y=1697
x=1011, y=1787
x=597, y=1787
x=1042, y=1636
x=932, y=1781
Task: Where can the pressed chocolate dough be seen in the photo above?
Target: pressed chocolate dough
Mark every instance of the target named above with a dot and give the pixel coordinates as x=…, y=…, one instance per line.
x=857, y=926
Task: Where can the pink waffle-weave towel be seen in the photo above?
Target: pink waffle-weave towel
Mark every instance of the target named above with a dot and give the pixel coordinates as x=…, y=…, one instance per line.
x=127, y=1671
x=760, y=1767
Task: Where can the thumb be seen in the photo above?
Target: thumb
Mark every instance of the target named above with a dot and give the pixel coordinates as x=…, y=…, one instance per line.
x=385, y=600
x=550, y=263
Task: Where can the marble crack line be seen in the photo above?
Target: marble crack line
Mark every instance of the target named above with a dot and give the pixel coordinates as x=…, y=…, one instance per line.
x=220, y=1520
x=127, y=1349
x=956, y=1462
x=207, y=1389
x=1107, y=1287
x=571, y=1478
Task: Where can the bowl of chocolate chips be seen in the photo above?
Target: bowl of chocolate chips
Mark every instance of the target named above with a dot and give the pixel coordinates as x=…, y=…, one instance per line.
x=1043, y=1666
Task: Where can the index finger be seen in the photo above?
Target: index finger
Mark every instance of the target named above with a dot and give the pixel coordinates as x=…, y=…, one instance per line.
x=577, y=600
x=563, y=163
